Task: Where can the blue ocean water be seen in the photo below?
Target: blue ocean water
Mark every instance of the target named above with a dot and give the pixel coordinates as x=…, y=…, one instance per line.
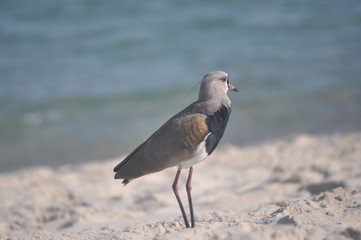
x=88, y=80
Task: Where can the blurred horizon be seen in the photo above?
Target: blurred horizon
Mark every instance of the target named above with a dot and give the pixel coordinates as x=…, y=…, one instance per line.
x=90, y=80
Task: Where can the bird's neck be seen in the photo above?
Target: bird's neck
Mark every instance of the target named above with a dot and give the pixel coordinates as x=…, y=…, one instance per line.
x=215, y=103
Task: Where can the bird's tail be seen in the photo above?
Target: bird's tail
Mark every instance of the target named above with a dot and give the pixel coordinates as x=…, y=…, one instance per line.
x=126, y=181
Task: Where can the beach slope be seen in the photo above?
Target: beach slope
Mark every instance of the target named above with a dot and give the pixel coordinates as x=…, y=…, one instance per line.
x=301, y=187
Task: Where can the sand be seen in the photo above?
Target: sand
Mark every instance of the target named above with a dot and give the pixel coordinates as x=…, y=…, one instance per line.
x=301, y=187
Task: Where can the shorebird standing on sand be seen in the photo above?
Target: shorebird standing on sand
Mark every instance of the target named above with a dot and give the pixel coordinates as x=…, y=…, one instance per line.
x=184, y=140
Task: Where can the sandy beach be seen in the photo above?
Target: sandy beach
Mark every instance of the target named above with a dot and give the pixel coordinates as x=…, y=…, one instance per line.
x=300, y=187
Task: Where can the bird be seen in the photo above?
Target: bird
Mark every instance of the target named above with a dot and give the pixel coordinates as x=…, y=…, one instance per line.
x=185, y=139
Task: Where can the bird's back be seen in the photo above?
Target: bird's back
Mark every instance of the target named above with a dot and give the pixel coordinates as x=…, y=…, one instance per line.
x=177, y=140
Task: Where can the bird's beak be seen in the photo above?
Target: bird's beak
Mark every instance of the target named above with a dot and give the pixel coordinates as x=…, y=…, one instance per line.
x=232, y=88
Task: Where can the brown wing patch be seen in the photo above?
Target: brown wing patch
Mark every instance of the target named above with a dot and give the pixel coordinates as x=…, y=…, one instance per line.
x=194, y=129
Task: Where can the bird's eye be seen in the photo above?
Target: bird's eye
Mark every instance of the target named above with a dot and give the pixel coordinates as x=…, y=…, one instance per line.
x=224, y=79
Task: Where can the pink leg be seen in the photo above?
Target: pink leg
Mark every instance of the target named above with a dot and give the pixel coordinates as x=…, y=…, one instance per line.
x=175, y=190
x=189, y=189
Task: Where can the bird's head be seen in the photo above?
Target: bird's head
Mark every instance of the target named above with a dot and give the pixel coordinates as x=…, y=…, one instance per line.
x=215, y=85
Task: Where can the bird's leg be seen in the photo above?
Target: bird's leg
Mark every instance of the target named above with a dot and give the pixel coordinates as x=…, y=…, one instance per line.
x=175, y=190
x=189, y=189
